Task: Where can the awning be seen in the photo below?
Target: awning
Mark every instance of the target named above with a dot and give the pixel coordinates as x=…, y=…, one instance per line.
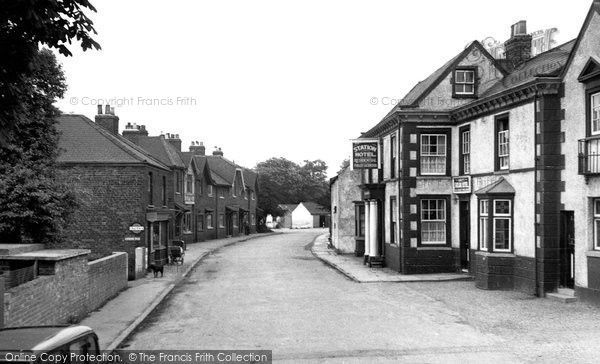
x=232, y=208
x=209, y=209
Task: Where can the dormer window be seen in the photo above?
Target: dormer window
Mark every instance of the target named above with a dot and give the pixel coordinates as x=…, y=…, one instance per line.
x=465, y=82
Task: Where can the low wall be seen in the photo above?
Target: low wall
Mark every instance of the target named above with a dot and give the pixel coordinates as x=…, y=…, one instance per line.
x=65, y=290
x=50, y=299
x=107, y=277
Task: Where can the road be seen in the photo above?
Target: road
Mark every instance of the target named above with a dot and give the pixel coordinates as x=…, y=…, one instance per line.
x=272, y=293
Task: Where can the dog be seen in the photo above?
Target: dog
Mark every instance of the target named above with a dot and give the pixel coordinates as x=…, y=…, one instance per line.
x=155, y=268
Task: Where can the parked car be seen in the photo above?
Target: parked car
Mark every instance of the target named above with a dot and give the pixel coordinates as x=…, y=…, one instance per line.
x=58, y=344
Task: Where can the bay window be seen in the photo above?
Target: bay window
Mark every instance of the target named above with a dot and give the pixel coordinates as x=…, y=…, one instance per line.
x=495, y=225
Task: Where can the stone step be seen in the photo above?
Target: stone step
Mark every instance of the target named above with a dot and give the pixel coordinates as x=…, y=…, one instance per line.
x=566, y=291
x=560, y=297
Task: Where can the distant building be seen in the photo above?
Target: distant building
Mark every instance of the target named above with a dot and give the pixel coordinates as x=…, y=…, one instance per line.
x=347, y=231
x=304, y=215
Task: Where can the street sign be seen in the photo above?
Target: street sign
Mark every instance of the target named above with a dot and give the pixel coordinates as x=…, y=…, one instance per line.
x=365, y=154
x=136, y=228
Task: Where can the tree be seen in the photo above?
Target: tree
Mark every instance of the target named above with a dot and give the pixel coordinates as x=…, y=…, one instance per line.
x=282, y=181
x=33, y=205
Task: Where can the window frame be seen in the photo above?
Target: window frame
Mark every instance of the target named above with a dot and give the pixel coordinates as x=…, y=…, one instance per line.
x=596, y=221
x=164, y=190
x=209, y=221
x=464, y=156
x=492, y=218
x=393, y=155
x=455, y=82
x=200, y=222
x=448, y=150
x=499, y=121
x=447, y=221
x=150, y=189
x=178, y=182
x=221, y=221
x=483, y=224
x=393, y=220
x=210, y=190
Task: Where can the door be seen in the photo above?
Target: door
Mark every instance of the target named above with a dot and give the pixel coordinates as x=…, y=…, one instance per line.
x=465, y=234
x=567, y=249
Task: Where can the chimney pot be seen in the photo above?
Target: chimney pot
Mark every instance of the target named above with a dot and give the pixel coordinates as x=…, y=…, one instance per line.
x=107, y=109
x=99, y=109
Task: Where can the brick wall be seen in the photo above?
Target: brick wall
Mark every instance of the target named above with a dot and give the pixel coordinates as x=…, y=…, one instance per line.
x=49, y=300
x=107, y=277
x=111, y=199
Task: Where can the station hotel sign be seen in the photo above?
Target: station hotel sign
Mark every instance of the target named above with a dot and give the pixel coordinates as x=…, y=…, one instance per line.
x=365, y=154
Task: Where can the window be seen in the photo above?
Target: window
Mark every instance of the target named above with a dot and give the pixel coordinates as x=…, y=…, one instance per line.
x=221, y=192
x=252, y=195
x=199, y=187
x=150, y=189
x=177, y=182
x=393, y=152
x=253, y=219
x=393, y=219
x=502, y=222
x=200, y=222
x=164, y=191
x=221, y=220
x=210, y=190
x=502, y=144
x=359, y=223
x=433, y=221
x=187, y=222
x=189, y=183
x=595, y=113
x=464, y=82
x=433, y=154
x=465, y=152
x=209, y=221
x=495, y=225
x=483, y=224
x=234, y=217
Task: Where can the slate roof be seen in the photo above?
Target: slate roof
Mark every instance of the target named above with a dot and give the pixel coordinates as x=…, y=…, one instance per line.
x=549, y=64
x=315, y=209
x=160, y=148
x=501, y=186
x=288, y=206
x=83, y=141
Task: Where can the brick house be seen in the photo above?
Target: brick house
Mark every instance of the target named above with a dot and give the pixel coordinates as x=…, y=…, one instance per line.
x=488, y=164
x=118, y=184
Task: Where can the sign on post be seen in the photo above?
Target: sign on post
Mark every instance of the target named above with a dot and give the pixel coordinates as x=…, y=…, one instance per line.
x=461, y=184
x=365, y=154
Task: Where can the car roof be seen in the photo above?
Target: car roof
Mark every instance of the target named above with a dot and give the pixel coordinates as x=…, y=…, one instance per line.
x=39, y=338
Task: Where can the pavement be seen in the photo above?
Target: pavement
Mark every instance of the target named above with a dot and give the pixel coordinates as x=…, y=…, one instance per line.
x=142, y=296
x=353, y=268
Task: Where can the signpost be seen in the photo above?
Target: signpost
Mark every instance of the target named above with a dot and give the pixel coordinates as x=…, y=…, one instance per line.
x=136, y=228
x=365, y=154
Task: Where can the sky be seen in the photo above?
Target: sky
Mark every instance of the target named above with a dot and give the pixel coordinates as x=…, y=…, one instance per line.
x=273, y=78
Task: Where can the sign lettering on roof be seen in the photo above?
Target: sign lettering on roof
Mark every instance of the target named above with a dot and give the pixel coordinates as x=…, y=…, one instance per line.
x=365, y=154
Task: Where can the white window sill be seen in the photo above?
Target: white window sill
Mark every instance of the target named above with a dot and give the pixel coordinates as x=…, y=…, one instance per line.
x=593, y=253
x=495, y=254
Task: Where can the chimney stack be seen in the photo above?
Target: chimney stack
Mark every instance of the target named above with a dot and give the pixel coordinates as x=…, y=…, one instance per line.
x=108, y=120
x=133, y=132
x=174, y=140
x=518, y=48
x=198, y=148
x=218, y=152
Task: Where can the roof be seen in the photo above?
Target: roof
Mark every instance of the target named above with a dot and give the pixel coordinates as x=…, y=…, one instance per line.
x=421, y=89
x=40, y=337
x=315, y=209
x=83, y=141
x=288, y=207
x=549, y=64
x=594, y=8
x=162, y=150
x=499, y=187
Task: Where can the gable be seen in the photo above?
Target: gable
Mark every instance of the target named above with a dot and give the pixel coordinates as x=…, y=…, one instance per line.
x=590, y=70
x=476, y=58
x=300, y=210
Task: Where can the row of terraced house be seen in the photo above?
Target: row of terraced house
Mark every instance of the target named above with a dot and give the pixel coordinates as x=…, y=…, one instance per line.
x=139, y=191
x=489, y=166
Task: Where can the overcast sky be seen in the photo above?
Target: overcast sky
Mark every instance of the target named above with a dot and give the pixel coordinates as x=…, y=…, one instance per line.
x=291, y=79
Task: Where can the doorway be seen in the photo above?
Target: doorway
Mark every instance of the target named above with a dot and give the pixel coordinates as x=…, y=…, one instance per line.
x=465, y=234
x=567, y=249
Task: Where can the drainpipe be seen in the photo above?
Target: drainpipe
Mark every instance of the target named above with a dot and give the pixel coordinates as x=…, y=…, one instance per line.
x=216, y=193
x=538, y=289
